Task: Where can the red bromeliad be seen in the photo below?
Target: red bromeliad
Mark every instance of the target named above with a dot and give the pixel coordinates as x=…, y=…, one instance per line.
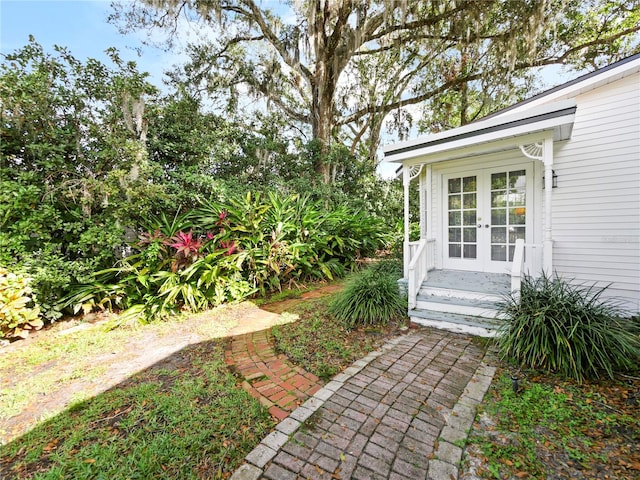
x=185, y=244
x=187, y=249
x=222, y=217
x=229, y=245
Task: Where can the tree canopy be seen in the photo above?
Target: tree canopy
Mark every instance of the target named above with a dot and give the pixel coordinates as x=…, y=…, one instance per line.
x=343, y=67
x=91, y=155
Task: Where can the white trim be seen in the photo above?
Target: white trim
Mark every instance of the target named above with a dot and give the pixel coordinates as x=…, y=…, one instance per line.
x=422, y=194
x=455, y=327
x=572, y=90
x=472, y=134
x=476, y=150
x=547, y=249
x=406, y=180
x=428, y=201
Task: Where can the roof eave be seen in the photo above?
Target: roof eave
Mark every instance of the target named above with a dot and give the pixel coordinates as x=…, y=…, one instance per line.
x=558, y=118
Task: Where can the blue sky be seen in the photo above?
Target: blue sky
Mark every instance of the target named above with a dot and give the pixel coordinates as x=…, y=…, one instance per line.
x=80, y=25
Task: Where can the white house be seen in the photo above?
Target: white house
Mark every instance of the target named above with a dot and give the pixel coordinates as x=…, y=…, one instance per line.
x=560, y=172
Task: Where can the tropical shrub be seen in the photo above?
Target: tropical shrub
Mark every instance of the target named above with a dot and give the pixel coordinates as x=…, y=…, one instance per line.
x=370, y=297
x=93, y=158
x=570, y=329
x=146, y=293
x=18, y=314
x=291, y=238
x=224, y=251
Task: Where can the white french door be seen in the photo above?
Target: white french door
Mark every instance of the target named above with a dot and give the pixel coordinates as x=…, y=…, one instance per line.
x=485, y=212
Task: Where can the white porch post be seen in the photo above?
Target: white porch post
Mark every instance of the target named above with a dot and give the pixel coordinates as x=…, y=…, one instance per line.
x=547, y=244
x=543, y=151
x=406, y=180
x=428, y=203
x=423, y=206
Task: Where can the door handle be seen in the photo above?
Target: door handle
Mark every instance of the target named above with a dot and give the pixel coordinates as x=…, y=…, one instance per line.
x=479, y=225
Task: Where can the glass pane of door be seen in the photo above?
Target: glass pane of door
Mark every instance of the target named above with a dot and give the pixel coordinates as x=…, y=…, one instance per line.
x=462, y=204
x=508, y=212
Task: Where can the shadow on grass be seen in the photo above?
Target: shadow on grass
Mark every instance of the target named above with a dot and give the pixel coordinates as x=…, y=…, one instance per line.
x=184, y=417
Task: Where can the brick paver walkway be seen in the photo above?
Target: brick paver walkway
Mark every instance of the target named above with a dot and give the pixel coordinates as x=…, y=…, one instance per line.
x=399, y=413
x=269, y=376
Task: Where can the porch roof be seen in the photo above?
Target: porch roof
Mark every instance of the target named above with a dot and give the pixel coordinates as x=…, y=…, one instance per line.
x=557, y=117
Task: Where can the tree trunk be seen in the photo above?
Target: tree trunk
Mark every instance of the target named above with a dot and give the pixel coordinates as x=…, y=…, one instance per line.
x=328, y=66
x=321, y=123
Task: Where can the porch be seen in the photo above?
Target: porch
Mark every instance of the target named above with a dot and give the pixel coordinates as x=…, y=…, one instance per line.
x=460, y=301
x=485, y=193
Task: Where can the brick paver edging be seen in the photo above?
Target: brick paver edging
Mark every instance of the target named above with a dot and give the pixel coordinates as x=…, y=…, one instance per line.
x=269, y=376
x=442, y=465
x=268, y=448
x=447, y=455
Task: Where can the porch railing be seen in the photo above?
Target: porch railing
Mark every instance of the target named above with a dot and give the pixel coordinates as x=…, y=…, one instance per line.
x=422, y=259
x=517, y=267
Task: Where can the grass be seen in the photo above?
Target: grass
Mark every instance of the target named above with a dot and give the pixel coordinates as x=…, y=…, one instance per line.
x=17, y=396
x=32, y=361
x=282, y=295
x=187, y=422
x=323, y=345
x=48, y=348
x=558, y=427
x=185, y=417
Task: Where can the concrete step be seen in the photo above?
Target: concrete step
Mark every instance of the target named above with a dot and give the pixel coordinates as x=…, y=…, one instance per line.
x=476, y=282
x=481, y=326
x=428, y=290
x=477, y=307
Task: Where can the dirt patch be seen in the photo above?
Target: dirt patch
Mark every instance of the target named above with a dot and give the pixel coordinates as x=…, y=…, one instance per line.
x=286, y=305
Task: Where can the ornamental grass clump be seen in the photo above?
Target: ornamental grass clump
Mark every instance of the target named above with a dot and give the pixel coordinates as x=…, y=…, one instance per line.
x=370, y=298
x=569, y=329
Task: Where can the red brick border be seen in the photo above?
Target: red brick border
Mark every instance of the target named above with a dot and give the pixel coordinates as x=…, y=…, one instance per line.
x=269, y=376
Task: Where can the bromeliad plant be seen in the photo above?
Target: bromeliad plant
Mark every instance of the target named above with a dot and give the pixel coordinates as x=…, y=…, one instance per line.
x=290, y=239
x=167, y=275
x=250, y=243
x=570, y=329
x=187, y=250
x=146, y=296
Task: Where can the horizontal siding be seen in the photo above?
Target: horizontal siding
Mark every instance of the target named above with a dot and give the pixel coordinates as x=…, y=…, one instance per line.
x=601, y=212
x=600, y=120
x=587, y=276
x=596, y=209
x=568, y=256
x=604, y=274
x=595, y=182
x=585, y=192
x=614, y=151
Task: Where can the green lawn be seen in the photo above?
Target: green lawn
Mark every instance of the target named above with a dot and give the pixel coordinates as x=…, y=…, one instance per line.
x=185, y=417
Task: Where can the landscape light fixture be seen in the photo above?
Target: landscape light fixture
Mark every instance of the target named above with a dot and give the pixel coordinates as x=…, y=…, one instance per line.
x=514, y=383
